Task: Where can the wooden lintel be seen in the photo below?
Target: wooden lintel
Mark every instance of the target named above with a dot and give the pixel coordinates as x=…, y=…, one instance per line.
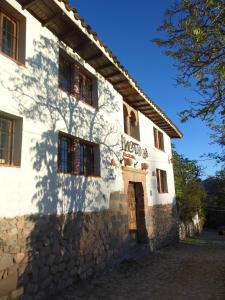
x=113, y=75
x=94, y=57
x=52, y=18
x=29, y=3
x=105, y=66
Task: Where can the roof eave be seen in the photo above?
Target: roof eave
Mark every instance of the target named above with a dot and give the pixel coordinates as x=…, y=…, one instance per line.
x=78, y=35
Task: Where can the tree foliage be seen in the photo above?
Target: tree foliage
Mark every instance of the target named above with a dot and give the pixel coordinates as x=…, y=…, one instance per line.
x=215, y=200
x=189, y=190
x=194, y=35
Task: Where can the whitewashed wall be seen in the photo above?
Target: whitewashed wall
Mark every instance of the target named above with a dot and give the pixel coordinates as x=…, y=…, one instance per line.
x=32, y=92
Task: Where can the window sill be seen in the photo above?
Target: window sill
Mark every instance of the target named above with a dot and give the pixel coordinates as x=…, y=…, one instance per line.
x=80, y=175
x=89, y=105
x=160, y=149
x=9, y=166
x=132, y=137
x=13, y=59
x=78, y=100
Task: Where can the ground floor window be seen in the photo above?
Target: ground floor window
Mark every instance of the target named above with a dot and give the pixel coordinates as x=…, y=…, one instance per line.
x=162, y=181
x=6, y=140
x=78, y=157
x=10, y=139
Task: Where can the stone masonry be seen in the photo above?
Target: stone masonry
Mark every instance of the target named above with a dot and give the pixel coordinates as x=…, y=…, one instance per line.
x=42, y=254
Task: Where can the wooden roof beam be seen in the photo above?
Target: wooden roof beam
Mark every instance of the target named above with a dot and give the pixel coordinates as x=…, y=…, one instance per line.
x=68, y=33
x=105, y=66
x=124, y=89
x=160, y=124
x=114, y=74
x=94, y=57
x=80, y=46
x=29, y=4
x=147, y=109
x=149, y=114
x=52, y=18
x=121, y=82
x=143, y=106
x=131, y=94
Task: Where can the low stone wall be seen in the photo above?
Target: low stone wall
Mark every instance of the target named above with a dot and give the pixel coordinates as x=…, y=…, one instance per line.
x=162, y=225
x=190, y=229
x=40, y=255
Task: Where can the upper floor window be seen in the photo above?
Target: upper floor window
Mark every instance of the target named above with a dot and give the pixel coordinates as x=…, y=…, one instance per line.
x=158, y=138
x=77, y=81
x=10, y=139
x=12, y=32
x=131, y=124
x=161, y=181
x=78, y=157
x=65, y=73
x=8, y=35
x=85, y=88
x=125, y=119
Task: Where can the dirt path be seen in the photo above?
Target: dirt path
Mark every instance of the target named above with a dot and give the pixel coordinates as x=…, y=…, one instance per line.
x=194, y=269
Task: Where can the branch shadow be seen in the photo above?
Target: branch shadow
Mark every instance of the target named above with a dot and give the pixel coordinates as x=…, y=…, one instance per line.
x=61, y=240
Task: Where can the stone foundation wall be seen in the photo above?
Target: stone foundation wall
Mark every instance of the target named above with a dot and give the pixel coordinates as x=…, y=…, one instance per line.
x=162, y=225
x=42, y=254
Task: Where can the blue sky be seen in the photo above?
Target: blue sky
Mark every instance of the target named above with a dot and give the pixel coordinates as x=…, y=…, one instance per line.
x=127, y=28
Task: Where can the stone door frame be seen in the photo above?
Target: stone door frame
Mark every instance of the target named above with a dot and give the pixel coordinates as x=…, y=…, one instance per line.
x=135, y=175
x=131, y=175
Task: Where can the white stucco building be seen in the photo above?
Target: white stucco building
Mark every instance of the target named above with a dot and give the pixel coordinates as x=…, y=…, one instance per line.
x=81, y=146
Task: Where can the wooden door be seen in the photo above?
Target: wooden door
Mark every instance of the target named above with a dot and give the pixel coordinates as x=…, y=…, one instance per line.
x=132, y=222
x=142, y=235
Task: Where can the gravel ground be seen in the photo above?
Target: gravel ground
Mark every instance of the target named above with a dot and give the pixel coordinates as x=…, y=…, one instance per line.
x=194, y=269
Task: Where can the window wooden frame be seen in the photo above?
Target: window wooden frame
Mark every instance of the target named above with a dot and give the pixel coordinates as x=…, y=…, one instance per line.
x=80, y=157
x=162, y=184
x=10, y=153
x=85, y=88
x=18, y=21
x=15, y=37
x=158, y=139
x=81, y=83
x=9, y=137
x=64, y=62
x=131, y=123
x=125, y=119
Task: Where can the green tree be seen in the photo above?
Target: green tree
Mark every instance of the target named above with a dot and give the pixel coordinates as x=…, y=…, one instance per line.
x=189, y=190
x=215, y=200
x=194, y=35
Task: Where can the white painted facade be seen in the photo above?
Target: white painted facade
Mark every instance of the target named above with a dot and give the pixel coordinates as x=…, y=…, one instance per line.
x=32, y=92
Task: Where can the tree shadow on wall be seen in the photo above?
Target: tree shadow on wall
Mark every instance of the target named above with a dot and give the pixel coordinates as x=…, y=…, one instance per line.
x=60, y=247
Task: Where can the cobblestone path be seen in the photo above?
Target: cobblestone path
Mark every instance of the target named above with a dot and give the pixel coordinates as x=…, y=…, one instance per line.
x=194, y=269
